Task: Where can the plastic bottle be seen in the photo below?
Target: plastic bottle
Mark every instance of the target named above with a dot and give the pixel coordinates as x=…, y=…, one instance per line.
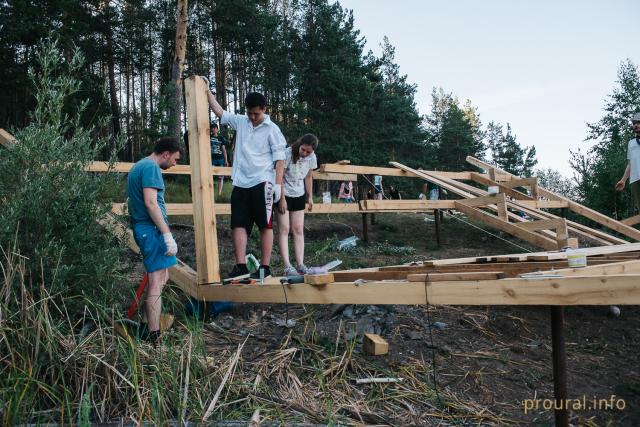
x=252, y=263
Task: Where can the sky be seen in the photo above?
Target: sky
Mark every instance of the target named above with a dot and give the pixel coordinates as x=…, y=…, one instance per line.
x=544, y=67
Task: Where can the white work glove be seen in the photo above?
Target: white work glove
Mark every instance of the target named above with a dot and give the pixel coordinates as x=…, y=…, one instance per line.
x=277, y=192
x=172, y=246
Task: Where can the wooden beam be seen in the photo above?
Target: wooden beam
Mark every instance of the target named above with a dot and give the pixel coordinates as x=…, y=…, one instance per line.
x=441, y=277
x=633, y=220
x=605, y=220
x=575, y=207
x=495, y=222
x=204, y=219
x=616, y=268
x=413, y=205
x=477, y=202
x=576, y=290
x=543, y=224
x=327, y=176
x=6, y=139
x=504, y=188
x=384, y=171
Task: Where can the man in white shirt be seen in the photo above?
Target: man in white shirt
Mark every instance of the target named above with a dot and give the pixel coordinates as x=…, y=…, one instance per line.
x=256, y=188
x=632, y=172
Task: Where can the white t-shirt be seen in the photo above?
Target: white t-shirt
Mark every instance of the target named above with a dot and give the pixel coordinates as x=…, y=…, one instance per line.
x=257, y=148
x=377, y=180
x=633, y=155
x=295, y=173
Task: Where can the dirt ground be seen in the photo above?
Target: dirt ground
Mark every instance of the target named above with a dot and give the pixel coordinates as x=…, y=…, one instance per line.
x=490, y=363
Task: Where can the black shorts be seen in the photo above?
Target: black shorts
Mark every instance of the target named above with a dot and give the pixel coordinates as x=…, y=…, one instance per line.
x=296, y=203
x=378, y=189
x=252, y=205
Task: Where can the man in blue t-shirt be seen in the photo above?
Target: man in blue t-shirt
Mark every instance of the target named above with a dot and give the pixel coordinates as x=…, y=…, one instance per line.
x=150, y=225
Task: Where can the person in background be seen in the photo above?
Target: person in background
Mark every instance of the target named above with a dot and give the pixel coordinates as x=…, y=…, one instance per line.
x=394, y=194
x=346, y=192
x=632, y=171
x=300, y=161
x=150, y=225
x=218, y=153
x=377, y=187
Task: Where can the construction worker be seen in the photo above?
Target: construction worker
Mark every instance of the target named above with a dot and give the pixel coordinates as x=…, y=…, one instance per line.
x=632, y=171
x=150, y=225
x=259, y=150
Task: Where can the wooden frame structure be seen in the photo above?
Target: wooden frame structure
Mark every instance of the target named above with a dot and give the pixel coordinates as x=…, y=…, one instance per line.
x=612, y=277
x=511, y=210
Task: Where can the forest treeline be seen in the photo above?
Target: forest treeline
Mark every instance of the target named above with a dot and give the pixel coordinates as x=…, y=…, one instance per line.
x=307, y=57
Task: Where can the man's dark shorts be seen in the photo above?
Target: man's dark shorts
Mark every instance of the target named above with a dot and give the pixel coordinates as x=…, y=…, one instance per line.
x=252, y=205
x=296, y=203
x=217, y=162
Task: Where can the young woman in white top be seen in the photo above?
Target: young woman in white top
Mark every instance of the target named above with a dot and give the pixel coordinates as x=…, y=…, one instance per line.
x=300, y=161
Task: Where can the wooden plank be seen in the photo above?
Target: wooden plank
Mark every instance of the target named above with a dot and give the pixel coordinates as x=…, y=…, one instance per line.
x=204, y=219
x=616, y=268
x=326, y=176
x=481, y=179
x=543, y=224
x=413, y=205
x=441, y=277
x=319, y=279
x=495, y=222
x=522, y=182
x=438, y=181
x=332, y=293
x=549, y=256
x=125, y=167
x=605, y=220
x=484, y=200
x=6, y=139
x=576, y=290
x=633, y=220
x=384, y=171
x=544, y=204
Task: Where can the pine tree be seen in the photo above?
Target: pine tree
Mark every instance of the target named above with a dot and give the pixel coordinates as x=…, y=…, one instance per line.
x=602, y=166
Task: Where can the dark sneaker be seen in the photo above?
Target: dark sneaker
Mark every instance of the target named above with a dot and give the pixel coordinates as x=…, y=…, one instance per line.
x=240, y=271
x=266, y=272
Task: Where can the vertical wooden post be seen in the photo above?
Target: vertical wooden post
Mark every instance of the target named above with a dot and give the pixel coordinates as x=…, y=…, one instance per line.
x=436, y=216
x=559, y=356
x=204, y=218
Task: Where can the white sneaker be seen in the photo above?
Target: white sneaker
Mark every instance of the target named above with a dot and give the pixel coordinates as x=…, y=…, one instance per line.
x=302, y=269
x=290, y=271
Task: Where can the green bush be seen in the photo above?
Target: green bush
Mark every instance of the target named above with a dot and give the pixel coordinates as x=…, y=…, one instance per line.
x=49, y=206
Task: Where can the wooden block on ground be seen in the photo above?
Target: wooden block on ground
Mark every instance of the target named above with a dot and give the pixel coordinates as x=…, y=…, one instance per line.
x=318, y=279
x=375, y=345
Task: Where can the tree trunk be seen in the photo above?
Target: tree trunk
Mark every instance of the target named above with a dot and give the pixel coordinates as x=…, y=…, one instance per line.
x=177, y=67
x=113, y=96
x=219, y=58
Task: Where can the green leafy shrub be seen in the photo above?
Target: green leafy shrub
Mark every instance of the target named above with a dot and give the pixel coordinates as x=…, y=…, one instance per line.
x=49, y=205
